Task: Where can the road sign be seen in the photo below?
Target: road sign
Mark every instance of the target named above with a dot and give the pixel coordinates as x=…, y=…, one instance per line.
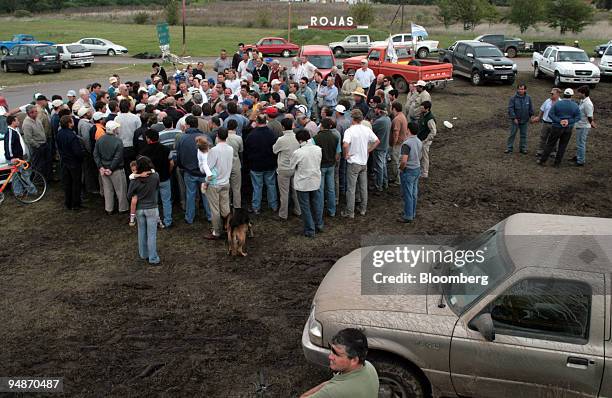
x=163, y=34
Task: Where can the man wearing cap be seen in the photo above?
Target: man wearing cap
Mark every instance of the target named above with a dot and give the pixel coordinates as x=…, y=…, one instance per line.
x=271, y=113
x=36, y=139
x=70, y=97
x=113, y=88
x=359, y=140
x=564, y=114
x=108, y=155
x=359, y=101
x=520, y=111
x=342, y=124
x=381, y=126
x=98, y=119
x=276, y=88
x=364, y=75
x=416, y=98
x=410, y=170
x=284, y=148
x=277, y=72
x=349, y=86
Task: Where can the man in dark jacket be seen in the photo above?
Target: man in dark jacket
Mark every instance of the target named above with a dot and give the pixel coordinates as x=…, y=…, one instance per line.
x=564, y=114
x=330, y=155
x=71, y=153
x=520, y=111
x=187, y=160
x=160, y=156
x=261, y=160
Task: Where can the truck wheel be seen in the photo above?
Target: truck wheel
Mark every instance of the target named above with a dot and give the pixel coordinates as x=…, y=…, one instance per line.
x=286, y=53
x=30, y=70
x=557, y=81
x=476, y=78
x=511, y=52
x=396, y=380
x=338, y=51
x=4, y=50
x=422, y=53
x=400, y=85
x=536, y=71
x=87, y=65
x=66, y=65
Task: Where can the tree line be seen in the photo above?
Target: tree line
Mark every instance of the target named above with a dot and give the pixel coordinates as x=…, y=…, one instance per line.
x=10, y=6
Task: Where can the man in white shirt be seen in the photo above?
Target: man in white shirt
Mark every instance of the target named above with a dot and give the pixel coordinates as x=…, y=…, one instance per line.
x=365, y=76
x=359, y=140
x=309, y=69
x=128, y=123
x=306, y=161
x=232, y=82
x=243, y=65
x=284, y=148
x=296, y=73
x=220, y=159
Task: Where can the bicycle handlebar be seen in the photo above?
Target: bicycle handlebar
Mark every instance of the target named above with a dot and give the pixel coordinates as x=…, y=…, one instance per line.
x=20, y=162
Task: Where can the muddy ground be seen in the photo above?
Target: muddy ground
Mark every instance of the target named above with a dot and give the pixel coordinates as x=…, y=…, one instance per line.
x=77, y=303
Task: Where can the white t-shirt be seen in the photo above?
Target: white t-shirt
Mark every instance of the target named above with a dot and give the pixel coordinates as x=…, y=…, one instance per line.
x=242, y=68
x=365, y=78
x=297, y=73
x=234, y=85
x=309, y=70
x=359, y=137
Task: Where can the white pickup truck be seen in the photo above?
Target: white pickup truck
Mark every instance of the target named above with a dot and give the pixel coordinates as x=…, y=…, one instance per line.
x=566, y=65
x=423, y=47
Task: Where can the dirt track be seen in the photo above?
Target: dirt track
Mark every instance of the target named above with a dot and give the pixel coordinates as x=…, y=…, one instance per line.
x=77, y=303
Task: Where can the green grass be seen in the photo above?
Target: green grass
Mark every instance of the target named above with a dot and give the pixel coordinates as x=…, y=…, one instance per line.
x=201, y=41
x=101, y=72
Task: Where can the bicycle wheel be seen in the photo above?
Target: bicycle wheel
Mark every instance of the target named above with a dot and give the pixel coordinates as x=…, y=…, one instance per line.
x=1, y=197
x=33, y=188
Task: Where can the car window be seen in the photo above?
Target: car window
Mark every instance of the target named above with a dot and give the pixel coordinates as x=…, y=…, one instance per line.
x=47, y=50
x=402, y=52
x=460, y=49
x=23, y=50
x=27, y=38
x=60, y=49
x=278, y=42
x=397, y=39
x=573, y=56
x=486, y=52
x=608, y=51
x=363, y=39
x=374, y=55
x=352, y=39
x=553, y=54
x=99, y=43
x=321, y=61
x=86, y=41
x=548, y=309
x=547, y=52
x=75, y=48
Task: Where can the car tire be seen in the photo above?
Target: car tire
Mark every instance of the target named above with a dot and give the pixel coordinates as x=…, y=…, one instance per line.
x=87, y=65
x=536, y=72
x=30, y=70
x=65, y=65
x=338, y=51
x=286, y=53
x=400, y=85
x=476, y=78
x=423, y=52
x=4, y=51
x=511, y=52
x=398, y=380
x=5, y=67
x=111, y=53
x=557, y=81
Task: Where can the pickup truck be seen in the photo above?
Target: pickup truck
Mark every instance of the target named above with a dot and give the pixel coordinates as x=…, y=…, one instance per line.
x=509, y=45
x=423, y=47
x=351, y=44
x=479, y=62
x=6, y=46
x=539, y=327
x=406, y=70
x=566, y=65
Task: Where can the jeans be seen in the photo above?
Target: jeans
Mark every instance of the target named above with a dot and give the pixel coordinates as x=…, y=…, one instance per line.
x=258, y=178
x=311, y=204
x=410, y=191
x=165, y=192
x=581, y=139
x=147, y=234
x=192, y=188
x=71, y=178
x=19, y=184
x=523, y=136
x=41, y=160
x=342, y=175
x=357, y=177
x=327, y=188
x=380, y=169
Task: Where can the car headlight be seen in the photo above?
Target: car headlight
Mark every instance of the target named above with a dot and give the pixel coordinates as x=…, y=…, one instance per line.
x=487, y=66
x=514, y=67
x=315, y=329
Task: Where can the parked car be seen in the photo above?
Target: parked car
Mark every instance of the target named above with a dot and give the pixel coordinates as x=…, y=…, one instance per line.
x=406, y=70
x=351, y=44
x=320, y=56
x=423, y=47
x=540, y=327
x=480, y=62
x=102, y=46
x=605, y=63
x=274, y=46
x=31, y=58
x=509, y=45
x=6, y=46
x=73, y=55
x=599, y=50
x=566, y=65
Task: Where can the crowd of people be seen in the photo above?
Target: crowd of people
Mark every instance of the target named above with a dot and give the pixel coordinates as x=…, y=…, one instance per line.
x=218, y=143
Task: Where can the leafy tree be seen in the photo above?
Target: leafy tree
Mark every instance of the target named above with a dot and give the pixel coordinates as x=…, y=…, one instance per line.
x=471, y=12
x=572, y=15
x=526, y=13
x=362, y=13
x=445, y=12
x=172, y=12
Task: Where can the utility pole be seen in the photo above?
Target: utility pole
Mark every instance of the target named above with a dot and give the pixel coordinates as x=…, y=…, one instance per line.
x=402, y=23
x=289, y=23
x=184, y=51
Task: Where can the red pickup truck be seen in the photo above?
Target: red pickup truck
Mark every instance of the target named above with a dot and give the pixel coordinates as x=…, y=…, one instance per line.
x=434, y=73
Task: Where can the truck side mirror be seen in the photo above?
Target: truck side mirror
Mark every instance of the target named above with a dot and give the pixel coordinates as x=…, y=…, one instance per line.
x=484, y=324
x=470, y=55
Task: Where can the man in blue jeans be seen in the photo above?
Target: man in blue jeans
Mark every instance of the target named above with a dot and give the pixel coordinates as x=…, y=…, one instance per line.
x=520, y=110
x=410, y=170
x=330, y=148
x=160, y=156
x=584, y=125
x=187, y=159
x=382, y=128
x=261, y=159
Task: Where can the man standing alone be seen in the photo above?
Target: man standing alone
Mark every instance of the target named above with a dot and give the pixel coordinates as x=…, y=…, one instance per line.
x=520, y=110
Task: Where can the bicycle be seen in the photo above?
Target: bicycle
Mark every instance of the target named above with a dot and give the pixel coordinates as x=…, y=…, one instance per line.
x=30, y=184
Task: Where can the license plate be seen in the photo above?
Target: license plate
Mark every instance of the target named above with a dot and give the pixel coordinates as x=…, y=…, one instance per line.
x=504, y=77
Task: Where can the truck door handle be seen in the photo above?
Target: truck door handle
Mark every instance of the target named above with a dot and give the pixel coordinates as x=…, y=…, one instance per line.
x=578, y=363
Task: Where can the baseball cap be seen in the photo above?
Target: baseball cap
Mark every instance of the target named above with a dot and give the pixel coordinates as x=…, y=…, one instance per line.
x=112, y=126
x=247, y=102
x=275, y=82
x=71, y=93
x=268, y=60
x=98, y=116
x=153, y=100
x=340, y=109
x=421, y=83
x=112, y=79
x=280, y=106
x=351, y=73
x=142, y=90
x=568, y=91
x=83, y=111
x=57, y=103
x=198, y=76
x=211, y=80
x=301, y=109
x=262, y=80
x=36, y=95
x=271, y=111
x=148, y=81
x=140, y=107
x=292, y=97
x=41, y=97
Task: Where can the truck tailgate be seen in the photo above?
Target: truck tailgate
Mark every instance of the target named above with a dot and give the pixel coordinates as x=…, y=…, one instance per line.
x=431, y=70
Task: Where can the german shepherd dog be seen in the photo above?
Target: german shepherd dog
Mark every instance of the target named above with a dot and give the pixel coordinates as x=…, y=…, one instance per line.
x=238, y=225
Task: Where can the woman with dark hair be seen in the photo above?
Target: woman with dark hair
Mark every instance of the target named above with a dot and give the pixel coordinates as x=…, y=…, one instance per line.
x=146, y=189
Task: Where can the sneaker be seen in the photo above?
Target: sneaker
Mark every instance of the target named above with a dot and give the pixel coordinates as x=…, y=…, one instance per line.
x=524, y=152
x=346, y=214
x=579, y=164
x=211, y=236
x=508, y=151
x=403, y=220
x=160, y=224
x=362, y=212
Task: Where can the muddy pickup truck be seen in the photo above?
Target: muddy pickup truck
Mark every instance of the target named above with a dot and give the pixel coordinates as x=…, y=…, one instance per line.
x=539, y=327
x=406, y=70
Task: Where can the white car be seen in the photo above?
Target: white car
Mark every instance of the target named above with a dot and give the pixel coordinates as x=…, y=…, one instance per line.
x=74, y=55
x=605, y=63
x=423, y=47
x=102, y=46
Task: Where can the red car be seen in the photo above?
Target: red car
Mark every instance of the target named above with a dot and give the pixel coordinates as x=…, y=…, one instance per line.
x=274, y=46
x=320, y=56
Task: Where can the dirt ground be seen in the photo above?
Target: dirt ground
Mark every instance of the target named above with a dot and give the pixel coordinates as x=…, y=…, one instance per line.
x=77, y=302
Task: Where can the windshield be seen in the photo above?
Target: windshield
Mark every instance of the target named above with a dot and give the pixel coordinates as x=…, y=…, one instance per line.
x=321, y=61
x=48, y=50
x=461, y=296
x=76, y=48
x=608, y=51
x=572, y=56
x=487, y=52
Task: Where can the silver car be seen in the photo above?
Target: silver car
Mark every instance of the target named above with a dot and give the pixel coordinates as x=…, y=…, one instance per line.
x=539, y=328
x=102, y=46
x=72, y=55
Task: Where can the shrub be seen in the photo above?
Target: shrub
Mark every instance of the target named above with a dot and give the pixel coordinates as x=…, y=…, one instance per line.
x=22, y=14
x=172, y=12
x=141, y=18
x=362, y=13
x=263, y=19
